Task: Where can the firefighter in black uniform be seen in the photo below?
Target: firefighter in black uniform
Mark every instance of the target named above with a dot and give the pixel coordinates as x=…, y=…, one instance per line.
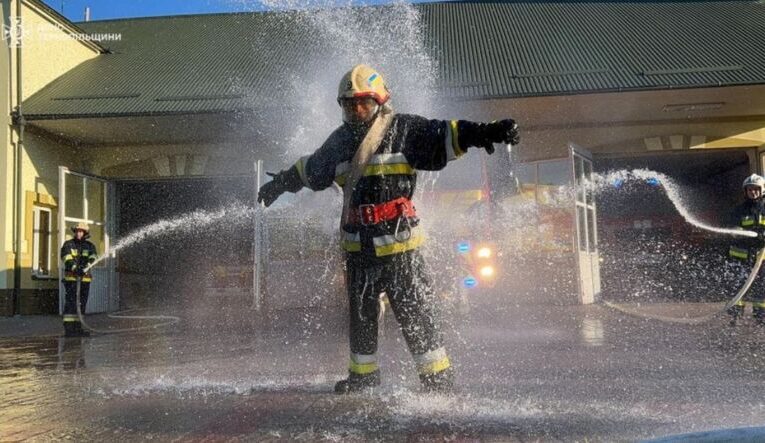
x=379, y=224
x=750, y=215
x=77, y=254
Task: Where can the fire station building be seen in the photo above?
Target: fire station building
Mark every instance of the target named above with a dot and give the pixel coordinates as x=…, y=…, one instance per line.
x=120, y=122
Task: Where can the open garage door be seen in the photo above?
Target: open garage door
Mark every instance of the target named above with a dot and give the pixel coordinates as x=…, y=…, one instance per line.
x=87, y=198
x=650, y=253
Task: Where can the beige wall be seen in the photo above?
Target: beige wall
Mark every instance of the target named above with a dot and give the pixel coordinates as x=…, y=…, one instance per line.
x=631, y=122
x=639, y=138
x=45, y=56
x=42, y=158
x=47, y=50
x=6, y=162
x=170, y=160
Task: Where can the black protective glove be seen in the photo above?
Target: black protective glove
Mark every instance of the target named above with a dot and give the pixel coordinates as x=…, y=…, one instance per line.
x=484, y=135
x=271, y=191
x=502, y=131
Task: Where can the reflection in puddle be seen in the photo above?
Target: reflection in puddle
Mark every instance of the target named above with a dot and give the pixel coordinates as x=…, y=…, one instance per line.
x=592, y=332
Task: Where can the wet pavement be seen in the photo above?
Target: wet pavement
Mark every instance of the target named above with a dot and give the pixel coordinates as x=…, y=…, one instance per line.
x=526, y=373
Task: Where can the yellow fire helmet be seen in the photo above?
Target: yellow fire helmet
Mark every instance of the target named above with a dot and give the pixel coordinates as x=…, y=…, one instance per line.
x=363, y=81
x=81, y=226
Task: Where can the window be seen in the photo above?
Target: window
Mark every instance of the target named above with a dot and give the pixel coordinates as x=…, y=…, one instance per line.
x=41, y=242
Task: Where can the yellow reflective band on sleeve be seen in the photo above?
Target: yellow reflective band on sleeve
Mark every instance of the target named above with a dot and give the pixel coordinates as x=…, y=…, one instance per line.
x=85, y=253
x=300, y=166
x=68, y=257
x=741, y=303
x=73, y=252
x=758, y=304
x=396, y=168
x=747, y=221
x=458, y=151
x=738, y=253
x=435, y=367
x=362, y=368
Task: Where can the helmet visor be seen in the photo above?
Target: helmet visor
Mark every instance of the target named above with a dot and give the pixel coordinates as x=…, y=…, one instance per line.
x=358, y=109
x=753, y=192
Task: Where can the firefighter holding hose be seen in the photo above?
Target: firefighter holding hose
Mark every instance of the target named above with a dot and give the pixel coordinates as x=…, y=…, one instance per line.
x=374, y=157
x=77, y=254
x=750, y=215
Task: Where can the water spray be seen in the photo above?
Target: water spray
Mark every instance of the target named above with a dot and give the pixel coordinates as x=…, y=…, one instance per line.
x=185, y=223
x=671, y=190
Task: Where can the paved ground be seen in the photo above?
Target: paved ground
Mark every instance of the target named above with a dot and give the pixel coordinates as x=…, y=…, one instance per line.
x=526, y=373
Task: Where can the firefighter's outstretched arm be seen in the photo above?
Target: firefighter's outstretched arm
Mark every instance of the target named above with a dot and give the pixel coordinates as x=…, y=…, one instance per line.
x=284, y=181
x=315, y=172
x=431, y=144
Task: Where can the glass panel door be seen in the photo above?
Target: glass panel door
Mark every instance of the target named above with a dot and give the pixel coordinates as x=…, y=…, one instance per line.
x=84, y=198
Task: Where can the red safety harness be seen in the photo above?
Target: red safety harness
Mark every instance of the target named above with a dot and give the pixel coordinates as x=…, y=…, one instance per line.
x=373, y=214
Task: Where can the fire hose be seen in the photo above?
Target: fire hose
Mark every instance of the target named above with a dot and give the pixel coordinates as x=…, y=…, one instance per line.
x=166, y=319
x=704, y=318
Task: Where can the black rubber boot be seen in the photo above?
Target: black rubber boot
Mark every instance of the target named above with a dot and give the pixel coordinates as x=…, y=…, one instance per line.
x=441, y=382
x=735, y=312
x=357, y=382
x=69, y=329
x=80, y=331
x=758, y=314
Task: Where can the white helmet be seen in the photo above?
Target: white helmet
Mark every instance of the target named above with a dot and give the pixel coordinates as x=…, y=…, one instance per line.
x=754, y=180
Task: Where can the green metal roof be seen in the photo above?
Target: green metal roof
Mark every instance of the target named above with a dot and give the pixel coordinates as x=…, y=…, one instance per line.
x=225, y=62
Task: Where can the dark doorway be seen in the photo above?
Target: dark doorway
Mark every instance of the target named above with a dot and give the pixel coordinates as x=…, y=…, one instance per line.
x=199, y=267
x=648, y=249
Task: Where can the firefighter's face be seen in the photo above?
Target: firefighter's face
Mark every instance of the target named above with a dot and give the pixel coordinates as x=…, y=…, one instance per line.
x=753, y=192
x=358, y=109
x=79, y=234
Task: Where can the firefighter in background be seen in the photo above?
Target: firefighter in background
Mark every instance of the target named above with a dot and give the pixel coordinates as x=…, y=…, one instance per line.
x=77, y=254
x=374, y=156
x=750, y=215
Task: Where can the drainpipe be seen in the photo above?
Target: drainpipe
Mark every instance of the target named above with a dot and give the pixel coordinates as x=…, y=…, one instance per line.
x=18, y=121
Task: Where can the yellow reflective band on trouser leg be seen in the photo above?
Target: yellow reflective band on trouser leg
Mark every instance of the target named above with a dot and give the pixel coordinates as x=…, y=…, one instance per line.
x=388, y=245
x=363, y=364
x=71, y=318
x=738, y=253
x=758, y=304
x=432, y=362
x=351, y=242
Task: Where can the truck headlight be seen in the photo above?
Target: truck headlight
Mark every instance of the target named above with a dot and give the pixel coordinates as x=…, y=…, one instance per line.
x=484, y=252
x=487, y=271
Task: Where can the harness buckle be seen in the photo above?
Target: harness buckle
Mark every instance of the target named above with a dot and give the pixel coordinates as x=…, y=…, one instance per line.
x=367, y=215
x=402, y=236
